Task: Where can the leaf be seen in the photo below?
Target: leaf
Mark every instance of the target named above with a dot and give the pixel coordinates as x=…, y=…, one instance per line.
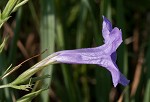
x=30, y=96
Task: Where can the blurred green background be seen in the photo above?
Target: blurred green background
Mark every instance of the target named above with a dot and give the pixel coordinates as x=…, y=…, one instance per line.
x=70, y=24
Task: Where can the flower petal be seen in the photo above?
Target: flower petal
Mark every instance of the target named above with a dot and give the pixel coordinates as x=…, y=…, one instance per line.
x=111, y=35
x=116, y=37
x=117, y=76
x=79, y=56
x=123, y=80
x=107, y=24
x=114, y=41
x=106, y=29
x=114, y=56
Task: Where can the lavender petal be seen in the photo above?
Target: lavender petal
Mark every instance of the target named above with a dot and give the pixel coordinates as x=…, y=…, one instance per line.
x=117, y=76
x=106, y=29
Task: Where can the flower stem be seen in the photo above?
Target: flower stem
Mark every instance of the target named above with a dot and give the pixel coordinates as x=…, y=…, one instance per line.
x=4, y=86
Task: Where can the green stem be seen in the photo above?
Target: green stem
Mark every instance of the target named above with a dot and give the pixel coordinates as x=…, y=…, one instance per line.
x=31, y=71
x=4, y=86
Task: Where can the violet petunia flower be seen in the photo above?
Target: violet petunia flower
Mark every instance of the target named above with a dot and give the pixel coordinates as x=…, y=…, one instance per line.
x=104, y=55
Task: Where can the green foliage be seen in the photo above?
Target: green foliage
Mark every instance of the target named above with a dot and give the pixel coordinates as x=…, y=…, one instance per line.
x=2, y=45
x=11, y=6
x=47, y=37
x=30, y=96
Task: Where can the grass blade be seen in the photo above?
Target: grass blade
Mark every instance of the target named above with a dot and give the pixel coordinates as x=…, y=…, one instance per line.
x=47, y=35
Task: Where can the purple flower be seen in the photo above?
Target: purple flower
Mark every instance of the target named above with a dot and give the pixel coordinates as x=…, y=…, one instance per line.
x=104, y=55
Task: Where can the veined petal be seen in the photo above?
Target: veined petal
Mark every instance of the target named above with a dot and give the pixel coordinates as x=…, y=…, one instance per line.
x=115, y=38
x=106, y=29
x=85, y=55
x=107, y=26
x=117, y=76
x=77, y=57
x=95, y=51
x=113, y=43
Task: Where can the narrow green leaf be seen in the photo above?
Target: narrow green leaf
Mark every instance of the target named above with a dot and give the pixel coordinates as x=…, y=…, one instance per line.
x=3, y=44
x=30, y=96
x=122, y=51
x=147, y=92
x=47, y=36
x=8, y=8
x=19, y=5
x=13, y=47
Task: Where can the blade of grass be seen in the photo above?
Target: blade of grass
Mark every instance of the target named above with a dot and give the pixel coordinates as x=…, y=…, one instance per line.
x=81, y=25
x=47, y=35
x=122, y=58
x=122, y=52
x=60, y=90
x=34, y=15
x=12, y=52
x=85, y=88
x=13, y=47
x=8, y=8
x=147, y=92
x=4, y=93
x=106, y=8
x=69, y=84
x=147, y=61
